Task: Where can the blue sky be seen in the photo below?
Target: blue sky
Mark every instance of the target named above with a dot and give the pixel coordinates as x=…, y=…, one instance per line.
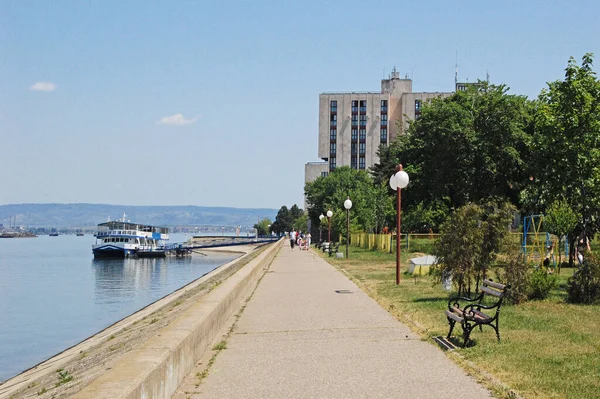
x=84, y=86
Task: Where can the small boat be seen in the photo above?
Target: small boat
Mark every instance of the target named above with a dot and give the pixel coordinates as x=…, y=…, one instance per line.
x=124, y=239
x=79, y=234
x=53, y=234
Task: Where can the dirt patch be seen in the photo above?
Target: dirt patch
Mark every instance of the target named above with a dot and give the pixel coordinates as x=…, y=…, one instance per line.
x=70, y=371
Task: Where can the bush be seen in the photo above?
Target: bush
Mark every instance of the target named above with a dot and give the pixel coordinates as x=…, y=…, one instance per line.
x=516, y=273
x=540, y=284
x=584, y=285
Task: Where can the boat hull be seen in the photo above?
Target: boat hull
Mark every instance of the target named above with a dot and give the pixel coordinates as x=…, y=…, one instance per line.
x=109, y=251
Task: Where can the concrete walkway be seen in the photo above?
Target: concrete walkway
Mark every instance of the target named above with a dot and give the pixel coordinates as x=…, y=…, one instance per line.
x=309, y=332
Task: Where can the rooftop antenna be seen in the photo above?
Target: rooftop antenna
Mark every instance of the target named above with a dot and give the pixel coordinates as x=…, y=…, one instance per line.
x=456, y=70
x=487, y=76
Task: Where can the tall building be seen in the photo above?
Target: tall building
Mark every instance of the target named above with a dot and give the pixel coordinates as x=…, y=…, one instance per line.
x=352, y=125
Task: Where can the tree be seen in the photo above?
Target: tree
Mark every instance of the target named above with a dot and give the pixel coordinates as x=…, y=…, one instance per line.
x=567, y=147
x=263, y=227
x=286, y=219
x=470, y=241
x=283, y=221
x=561, y=220
x=465, y=148
x=371, y=206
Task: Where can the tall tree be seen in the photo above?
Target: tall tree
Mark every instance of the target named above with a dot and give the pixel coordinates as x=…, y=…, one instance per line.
x=371, y=206
x=468, y=147
x=567, y=146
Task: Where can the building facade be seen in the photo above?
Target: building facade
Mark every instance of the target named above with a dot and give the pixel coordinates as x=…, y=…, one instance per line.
x=352, y=125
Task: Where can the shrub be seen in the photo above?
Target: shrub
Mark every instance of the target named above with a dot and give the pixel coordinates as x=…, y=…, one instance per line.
x=584, y=285
x=540, y=284
x=516, y=273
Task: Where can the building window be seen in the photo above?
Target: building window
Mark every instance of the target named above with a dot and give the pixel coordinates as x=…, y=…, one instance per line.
x=331, y=164
x=324, y=174
x=333, y=120
x=362, y=148
x=333, y=134
x=353, y=163
x=383, y=135
x=383, y=106
x=354, y=120
x=363, y=105
x=384, y=120
x=363, y=120
x=363, y=134
x=417, y=109
x=361, y=163
x=333, y=106
x=354, y=106
x=353, y=148
x=354, y=134
x=332, y=148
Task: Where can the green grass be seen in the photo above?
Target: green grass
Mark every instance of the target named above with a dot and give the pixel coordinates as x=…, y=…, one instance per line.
x=549, y=349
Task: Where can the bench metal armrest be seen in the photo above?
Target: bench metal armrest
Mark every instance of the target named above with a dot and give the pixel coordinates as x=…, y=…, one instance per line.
x=455, y=301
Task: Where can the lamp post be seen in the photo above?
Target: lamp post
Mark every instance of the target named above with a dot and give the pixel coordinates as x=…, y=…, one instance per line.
x=329, y=215
x=347, y=205
x=398, y=181
x=321, y=217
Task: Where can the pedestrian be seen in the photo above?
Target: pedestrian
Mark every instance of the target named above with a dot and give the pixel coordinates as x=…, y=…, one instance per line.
x=292, y=239
x=308, y=239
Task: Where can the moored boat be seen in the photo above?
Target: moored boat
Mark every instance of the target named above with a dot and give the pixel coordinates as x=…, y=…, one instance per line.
x=122, y=239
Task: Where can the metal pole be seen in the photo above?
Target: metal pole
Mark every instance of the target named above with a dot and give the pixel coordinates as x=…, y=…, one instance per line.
x=398, y=238
x=328, y=229
x=347, y=230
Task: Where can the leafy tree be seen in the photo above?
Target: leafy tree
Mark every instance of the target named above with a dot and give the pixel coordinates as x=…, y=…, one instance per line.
x=286, y=219
x=567, y=146
x=263, y=227
x=371, y=205
x=470, y=241
x=283, y=221
x=300, y=223
x=561, y=220
x=469, y=147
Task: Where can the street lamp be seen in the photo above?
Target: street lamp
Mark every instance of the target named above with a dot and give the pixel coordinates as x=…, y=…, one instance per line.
x=329, y=215
x=347, y=205
x=398, y=181
x=321, y=217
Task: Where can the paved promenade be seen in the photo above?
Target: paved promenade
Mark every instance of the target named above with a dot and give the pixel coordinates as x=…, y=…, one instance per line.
x=309, y=332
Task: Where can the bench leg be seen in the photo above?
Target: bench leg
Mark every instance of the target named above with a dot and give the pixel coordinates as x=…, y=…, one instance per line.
x=495, y=327
x=452, y=322
x=466, y=333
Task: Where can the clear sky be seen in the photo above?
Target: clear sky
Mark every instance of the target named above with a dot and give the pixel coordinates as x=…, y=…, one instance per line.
x=216, y=103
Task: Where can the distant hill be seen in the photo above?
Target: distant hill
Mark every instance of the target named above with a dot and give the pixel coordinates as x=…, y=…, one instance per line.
x=82, y=215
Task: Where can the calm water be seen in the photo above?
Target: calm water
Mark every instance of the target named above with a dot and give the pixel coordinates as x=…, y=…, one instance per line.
x=53, y=294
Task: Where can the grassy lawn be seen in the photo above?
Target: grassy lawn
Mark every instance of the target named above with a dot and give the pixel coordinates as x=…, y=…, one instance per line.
x=549, y=349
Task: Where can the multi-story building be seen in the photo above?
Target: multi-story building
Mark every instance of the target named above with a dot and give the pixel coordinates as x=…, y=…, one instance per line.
x=353, y=125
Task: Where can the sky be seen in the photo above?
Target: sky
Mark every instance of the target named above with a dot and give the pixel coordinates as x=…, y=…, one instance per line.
x=216, y=103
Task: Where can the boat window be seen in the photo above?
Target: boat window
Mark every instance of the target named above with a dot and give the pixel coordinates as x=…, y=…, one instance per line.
x=105, y=240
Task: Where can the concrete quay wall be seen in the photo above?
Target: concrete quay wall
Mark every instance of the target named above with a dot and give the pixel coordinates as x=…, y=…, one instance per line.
x=156, y=368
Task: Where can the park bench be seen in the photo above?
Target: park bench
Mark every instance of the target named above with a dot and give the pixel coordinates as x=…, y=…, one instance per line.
x=332, y=249
x=468, y=311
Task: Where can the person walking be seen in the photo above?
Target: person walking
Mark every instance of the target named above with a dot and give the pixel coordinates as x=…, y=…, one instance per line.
x=292, y=239
x=308, y=239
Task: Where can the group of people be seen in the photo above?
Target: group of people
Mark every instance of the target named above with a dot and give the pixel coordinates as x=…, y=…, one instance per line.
x=300, y=239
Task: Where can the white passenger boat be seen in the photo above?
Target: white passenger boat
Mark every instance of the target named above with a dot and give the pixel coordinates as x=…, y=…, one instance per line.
x=122, y=239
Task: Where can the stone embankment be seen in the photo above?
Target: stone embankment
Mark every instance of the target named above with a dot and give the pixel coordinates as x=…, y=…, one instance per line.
x=147, y=354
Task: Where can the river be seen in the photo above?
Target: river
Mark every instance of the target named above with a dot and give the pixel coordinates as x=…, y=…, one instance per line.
x=53, y=294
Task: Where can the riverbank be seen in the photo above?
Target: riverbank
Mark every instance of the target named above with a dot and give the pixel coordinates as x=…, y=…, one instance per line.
x=70, y=371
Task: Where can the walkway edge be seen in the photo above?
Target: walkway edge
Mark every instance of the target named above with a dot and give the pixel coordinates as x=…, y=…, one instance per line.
x=157, y=367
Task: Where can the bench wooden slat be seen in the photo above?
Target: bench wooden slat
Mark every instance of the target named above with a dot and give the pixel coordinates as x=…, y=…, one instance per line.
x=454, y=316
x=492, y=292
x=494, y=284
